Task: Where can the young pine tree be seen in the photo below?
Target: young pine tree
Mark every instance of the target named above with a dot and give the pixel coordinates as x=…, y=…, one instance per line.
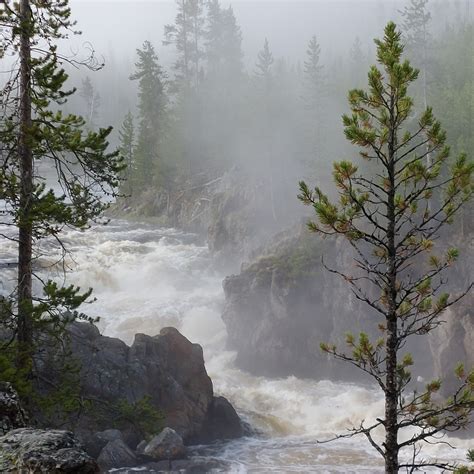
x=399, y=274
x=34, y=131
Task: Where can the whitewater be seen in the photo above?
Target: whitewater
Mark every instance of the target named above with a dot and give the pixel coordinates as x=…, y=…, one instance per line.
x=145, y=278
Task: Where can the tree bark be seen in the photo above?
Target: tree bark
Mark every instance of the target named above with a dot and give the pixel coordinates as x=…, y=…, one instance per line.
x=391, y=389
x=25, y=155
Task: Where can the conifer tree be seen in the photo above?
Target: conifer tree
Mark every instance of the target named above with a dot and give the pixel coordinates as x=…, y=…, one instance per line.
x=263, y=67
x=91, y=101
x=314, y=95
x=152, y=103
x=187, y=34
x=313, y=71
x=398, y=272
x=34, y=130
x=223, y=42
x=127, y=149
x=416, y=20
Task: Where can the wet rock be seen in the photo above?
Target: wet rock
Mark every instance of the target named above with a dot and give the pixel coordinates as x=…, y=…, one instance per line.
x=12, y=415
x=116, y=454
x=223, y=421
x=166, y=370
x=167, y=445
x=283, y=303
x=141, y=446
x=32, y=451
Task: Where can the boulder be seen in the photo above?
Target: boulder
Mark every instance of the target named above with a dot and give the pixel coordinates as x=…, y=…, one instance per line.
x=164, y=374
x=116, y=454
x=167, y=445
x=223, y=421
x=12, y=414
x=32, y=451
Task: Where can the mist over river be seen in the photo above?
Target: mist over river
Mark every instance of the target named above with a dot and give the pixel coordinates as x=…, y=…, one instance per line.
x=145, y=278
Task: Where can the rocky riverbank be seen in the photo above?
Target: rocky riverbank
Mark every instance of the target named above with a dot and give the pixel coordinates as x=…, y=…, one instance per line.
x=141, y=404
x=284, y=303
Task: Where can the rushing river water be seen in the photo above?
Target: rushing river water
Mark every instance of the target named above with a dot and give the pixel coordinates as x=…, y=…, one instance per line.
x=146, y=278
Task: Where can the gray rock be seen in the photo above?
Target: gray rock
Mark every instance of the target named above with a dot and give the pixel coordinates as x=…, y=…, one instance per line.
x=116, y=454
x=109, y=435
x=168, y=370
x=167, y=445
x=223, y=421
x=32, y=451
x=12, y=415
x=141, y=446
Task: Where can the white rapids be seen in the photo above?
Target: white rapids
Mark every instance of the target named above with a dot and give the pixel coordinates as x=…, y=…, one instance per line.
x=146, y=278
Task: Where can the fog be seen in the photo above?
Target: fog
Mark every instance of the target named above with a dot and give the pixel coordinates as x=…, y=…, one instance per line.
x=216, y=135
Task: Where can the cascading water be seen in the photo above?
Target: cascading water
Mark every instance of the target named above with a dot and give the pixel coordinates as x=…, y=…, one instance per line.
x=145, y=278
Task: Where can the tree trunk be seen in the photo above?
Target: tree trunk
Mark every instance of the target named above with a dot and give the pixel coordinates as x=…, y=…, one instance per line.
x=391, y=385
x=25, y=303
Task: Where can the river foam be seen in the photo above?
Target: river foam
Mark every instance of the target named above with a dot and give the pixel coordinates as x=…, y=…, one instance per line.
x=146, y=278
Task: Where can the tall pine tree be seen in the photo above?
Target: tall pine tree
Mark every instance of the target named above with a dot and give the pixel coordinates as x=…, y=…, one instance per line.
x=34, y=131
x=152, y=106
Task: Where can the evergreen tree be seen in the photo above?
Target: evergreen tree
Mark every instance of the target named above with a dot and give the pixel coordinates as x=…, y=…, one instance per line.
x=91, y=101
x=392, y=229
x=313, y=74
x=416, y=19
x=187, y=34
x=127, y=149
x=33, y=131
x=314, y=95
x=358, y=63
x=223, y=42
x=152, y=104
x=263, y=67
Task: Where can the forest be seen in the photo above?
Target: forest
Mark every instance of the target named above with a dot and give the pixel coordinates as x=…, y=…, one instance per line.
x=236, y=237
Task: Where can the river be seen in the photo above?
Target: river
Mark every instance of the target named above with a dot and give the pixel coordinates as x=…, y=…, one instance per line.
x=145, y=278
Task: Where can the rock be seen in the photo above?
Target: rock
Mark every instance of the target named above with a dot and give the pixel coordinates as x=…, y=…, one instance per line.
x=141, y=446
x=223, y=421
x=32, y=451
x=109, y=435
x=12, y=414
x=166, y=372
x=283, y=304
x=116, y=454
x=167, y=445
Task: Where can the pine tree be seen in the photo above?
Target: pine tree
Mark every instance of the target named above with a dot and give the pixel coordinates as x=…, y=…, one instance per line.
x=392, y=229
x=91, y=101
x=152, y=104
x=223, y=42
x=263, y=67
x=187, y=34
x=313, y=74
x=358, y=62
x=314, y=96
x=34, y=130
x=416, y=19
x=127, y=149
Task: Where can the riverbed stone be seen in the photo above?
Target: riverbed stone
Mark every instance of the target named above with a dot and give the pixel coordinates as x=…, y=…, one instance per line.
x=12, y=415
x=167, y=445
x=32, y=451
x=116, y=454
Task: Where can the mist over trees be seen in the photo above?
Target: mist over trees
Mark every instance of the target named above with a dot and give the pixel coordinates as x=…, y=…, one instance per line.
x=220, y=106
x=194, y=104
